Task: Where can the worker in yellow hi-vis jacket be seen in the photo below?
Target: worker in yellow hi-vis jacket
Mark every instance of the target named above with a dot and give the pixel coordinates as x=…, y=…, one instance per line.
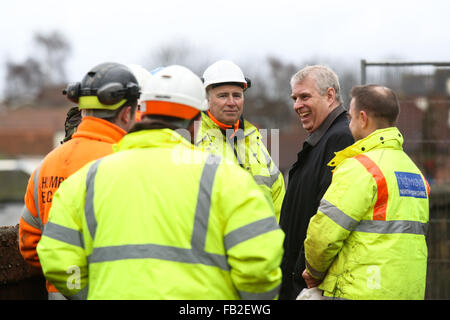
x=159, y=219
x=367, y=240
x=225, y=132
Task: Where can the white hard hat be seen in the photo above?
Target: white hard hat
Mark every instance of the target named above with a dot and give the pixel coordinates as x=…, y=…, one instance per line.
x=174, y=91
x=224, y=71
x=142, y=75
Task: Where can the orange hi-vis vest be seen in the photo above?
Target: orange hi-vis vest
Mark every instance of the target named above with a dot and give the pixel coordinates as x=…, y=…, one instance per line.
x=92, y=140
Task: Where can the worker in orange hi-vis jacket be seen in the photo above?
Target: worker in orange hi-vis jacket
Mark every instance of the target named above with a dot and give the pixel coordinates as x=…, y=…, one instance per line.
x=108, y=97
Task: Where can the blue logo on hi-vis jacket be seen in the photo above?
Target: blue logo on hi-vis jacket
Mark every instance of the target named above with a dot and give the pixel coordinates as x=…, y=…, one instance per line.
x=410, y=185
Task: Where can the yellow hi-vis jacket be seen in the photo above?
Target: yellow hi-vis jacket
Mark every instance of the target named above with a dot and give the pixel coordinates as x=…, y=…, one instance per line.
x=367, y=240
x=249, y=152
x=160, y=220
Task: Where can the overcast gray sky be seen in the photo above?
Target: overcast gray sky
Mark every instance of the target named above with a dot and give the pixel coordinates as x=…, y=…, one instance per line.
x=128, y=31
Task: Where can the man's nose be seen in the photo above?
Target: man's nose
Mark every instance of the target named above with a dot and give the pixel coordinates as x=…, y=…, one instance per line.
x=297, y=104
x=230, y=100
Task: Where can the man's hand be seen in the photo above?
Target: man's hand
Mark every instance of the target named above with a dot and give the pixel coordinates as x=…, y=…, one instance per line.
x=310, y=281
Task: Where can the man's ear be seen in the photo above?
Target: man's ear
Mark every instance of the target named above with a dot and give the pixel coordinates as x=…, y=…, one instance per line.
x=331, y=96
x=363, y=118
x=125, y=114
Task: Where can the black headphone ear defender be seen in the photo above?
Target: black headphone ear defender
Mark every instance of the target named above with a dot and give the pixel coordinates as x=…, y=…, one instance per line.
x=112, y=93
x=108, y=94
x=249, y=82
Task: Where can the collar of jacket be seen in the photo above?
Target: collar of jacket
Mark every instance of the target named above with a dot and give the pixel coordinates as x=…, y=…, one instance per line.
x=154, y=138
x=315, y=137
x=388, y=138
x=221, y=125
x=208, y=124
x=99, y=129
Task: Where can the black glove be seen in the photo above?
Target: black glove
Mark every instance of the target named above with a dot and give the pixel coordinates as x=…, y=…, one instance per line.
x=73, y=119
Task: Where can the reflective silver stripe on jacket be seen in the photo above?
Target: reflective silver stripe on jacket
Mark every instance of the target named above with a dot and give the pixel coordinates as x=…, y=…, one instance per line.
x=314, y=272
x=36, y=194
x=250, y=231
x=395, y=226
x=268, y=295
x=273, y=174
x=89, y=203
x=371, y=226
x=335, y=214
x=64, y=234
x=155, y=251
x=30, y=219
x=267, y=181
x=80, y=295
x=56, y=296
x=204, y=203
x=196, y=254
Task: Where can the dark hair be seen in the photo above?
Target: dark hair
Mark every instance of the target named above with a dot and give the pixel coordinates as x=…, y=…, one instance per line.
x=111, y=115
x=378, y=101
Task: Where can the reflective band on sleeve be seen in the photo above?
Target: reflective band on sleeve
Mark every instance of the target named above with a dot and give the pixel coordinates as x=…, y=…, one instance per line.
x=314, y=272
x=80, y=295
x=379, y=210
x=33, y=221
x=371, y=226
x=273, y=174
x=269, y=295
x=56, y=296
x=204, y=202
x=89, y=204
x=250, y=231
x=36, y=193
x=335, y=214
x=267, y=181
x=64, y=234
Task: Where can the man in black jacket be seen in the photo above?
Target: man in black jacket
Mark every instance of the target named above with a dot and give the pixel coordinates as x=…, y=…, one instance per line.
x=317, y=101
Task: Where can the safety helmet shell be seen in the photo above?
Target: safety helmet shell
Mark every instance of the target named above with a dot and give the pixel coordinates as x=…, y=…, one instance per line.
x=175, y=86
x=106, y=86
x=224, y=71
x=142, y=75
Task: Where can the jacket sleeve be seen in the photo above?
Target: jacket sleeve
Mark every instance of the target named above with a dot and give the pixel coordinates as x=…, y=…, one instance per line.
x=30, y=224
x=253, y=240
x=62, y=247
x=276, y=188
x=278, y=192
x=344, y=204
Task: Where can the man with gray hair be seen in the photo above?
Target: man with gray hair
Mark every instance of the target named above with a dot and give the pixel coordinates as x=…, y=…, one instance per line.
x=318, y=103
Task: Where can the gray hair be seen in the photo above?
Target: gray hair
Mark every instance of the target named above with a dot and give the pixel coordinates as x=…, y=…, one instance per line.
x=324, y=76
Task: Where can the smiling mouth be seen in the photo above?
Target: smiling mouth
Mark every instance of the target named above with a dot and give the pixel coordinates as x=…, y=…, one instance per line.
x=304, y=114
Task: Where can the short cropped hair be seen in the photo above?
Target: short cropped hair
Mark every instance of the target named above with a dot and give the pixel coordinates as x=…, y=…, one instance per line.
x=324, y=76
x=378, y=101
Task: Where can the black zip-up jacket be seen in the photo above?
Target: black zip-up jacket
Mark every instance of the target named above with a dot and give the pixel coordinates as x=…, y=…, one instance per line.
x=309, y=178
